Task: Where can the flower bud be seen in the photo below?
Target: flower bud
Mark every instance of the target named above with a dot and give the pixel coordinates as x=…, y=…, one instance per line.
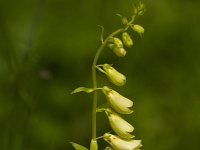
x=127, y=39
x=118, y=102
x=117, y=42
x=114, y=76
x=93, y=145
x=141, y=9
x=119, y=125
x=117, y=46
x=121, y=144
x=137, y=28
x=111, y=46
x=125, y=21
x=119, y=51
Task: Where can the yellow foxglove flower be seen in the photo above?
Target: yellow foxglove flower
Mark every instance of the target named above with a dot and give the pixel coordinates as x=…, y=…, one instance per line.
x=115, y=77
x=121, y=127
x=121, y=144
x=127, y=39
x=118, y=102
x=138, y=28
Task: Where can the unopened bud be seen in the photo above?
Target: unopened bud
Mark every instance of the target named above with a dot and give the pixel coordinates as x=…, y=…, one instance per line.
x=127, y=39
x=124, y=21
x=117, y=46
x=116, y=41
x=119, y=51
x=93, y=145
x=138, y=28
x=141, y=9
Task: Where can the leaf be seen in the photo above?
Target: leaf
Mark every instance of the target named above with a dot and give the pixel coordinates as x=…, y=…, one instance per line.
x=82, y=89
x=101, y=70
x=78, y=147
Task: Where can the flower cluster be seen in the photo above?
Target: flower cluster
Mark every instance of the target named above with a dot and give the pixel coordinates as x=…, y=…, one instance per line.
x=118, y=105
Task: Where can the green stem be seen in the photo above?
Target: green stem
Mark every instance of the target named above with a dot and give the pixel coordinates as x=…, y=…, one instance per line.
x=94, y=79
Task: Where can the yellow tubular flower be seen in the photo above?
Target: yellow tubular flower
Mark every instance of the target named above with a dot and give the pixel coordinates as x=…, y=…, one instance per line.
x=121, y=144
x=118, y=102
x=114, y=76
x=121, y=127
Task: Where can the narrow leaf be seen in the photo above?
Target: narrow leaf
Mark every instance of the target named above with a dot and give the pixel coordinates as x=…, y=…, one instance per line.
x=78, y=147
x=82, y=89
x=101, y=70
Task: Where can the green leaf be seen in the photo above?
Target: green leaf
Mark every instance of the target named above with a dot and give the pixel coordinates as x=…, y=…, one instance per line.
x=78, y=147
x=101, y=70
x=82, y=89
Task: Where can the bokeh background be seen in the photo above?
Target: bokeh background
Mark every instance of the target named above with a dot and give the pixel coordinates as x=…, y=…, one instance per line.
x=46, y=50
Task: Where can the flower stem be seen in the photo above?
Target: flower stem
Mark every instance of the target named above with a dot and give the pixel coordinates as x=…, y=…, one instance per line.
x=94, y=79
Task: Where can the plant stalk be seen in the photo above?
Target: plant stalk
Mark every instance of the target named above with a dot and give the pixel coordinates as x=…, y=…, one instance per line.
x=94, y=79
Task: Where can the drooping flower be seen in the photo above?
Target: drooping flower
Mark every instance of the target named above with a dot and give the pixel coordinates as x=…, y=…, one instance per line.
x=127, y=39
x=121, y=127
x=118, y=102
x=121, y=144
x=115, y=77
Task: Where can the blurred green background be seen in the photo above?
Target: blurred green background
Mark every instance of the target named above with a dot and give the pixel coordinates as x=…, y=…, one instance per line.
x=46, y=50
